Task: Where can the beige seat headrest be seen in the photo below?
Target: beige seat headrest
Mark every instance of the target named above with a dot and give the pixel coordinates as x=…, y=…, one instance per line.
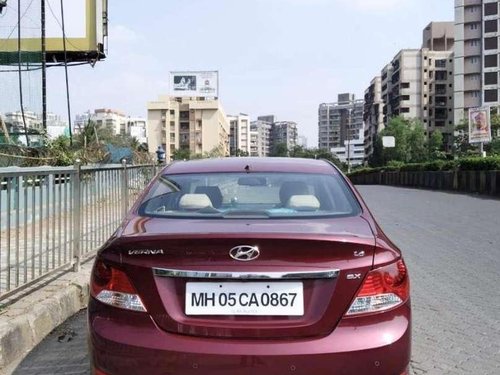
x=194, y=202
x=303, y=203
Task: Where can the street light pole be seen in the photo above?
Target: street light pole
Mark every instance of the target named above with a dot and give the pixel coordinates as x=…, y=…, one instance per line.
x=349, y=141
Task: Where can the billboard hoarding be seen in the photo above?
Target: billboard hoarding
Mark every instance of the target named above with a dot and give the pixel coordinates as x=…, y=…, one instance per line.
x=195, y=84
x=479, y=125
x=85, y=28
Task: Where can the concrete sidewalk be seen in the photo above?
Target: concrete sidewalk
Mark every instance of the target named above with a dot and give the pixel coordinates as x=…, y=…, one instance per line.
x=26, y=322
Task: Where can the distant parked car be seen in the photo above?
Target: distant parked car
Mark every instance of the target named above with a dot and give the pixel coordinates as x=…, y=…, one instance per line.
x=250, y=266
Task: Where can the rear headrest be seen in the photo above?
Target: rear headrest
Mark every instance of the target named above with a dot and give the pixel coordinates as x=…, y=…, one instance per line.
x=194, y=202
x=213, y=193
x=303, y=203
x=289, y=188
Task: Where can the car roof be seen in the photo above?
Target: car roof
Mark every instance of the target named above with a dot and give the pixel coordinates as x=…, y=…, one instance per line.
x=251, y=164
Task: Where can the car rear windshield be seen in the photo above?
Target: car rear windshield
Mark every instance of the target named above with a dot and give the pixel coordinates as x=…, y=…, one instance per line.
x=249, y=195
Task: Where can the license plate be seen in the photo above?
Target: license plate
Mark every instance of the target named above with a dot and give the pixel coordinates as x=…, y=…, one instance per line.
x=252, y=298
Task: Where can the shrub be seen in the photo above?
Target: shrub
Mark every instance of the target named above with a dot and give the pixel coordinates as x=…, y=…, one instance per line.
x=491, y=163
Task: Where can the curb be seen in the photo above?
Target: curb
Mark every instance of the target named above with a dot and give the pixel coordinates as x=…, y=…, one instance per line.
x=28, y=321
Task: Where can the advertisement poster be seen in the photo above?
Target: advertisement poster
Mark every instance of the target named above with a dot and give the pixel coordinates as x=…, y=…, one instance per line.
x=195, y=84
x=479, y=125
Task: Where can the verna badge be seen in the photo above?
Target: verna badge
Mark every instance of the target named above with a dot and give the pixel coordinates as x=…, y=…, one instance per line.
x=244, y=253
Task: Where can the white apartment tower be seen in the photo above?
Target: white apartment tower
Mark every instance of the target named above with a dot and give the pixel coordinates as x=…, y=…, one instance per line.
x=239, y=134
x=340, y=121
x=261, y=138
x=476, y=55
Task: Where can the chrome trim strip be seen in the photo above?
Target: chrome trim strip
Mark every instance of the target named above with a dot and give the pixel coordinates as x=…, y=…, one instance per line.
x=327, y=274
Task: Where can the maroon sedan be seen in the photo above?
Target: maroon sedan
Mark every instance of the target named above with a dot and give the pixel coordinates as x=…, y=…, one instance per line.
x=250, y=266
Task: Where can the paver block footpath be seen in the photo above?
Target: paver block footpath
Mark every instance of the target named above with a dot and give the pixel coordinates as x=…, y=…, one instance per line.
x=28, y=321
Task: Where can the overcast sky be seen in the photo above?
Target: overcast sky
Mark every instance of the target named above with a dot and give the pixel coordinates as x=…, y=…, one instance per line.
x=281, y=57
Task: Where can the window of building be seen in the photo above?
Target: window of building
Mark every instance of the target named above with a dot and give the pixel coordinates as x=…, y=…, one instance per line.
x=473, y=26
x=490, y=26
x=490, y=9
x=440, y=123
x=473, y=42
x=440, y=89
x=172, y=112
x=440, y=63
x=441, y=76
x=491, y=78
x=491, y=95
x=405, y=85
x=491, y=61
x=491, y=43
x=405, y=97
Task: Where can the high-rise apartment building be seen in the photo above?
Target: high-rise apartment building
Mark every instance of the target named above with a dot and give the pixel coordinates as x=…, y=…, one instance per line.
x=416, y=84
x=239, y=134
x=261, y=138
x=340, y=122
x=476, y=61
x=373, y=116
x=188, y=124
x=284, y=132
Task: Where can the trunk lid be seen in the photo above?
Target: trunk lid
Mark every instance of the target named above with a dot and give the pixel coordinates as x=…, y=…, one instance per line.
x=150, y=248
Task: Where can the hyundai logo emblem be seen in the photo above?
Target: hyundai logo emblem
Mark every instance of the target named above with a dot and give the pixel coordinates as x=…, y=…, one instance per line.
x=244, y=253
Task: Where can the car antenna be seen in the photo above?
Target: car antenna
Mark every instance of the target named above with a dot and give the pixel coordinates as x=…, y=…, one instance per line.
x=247, y=169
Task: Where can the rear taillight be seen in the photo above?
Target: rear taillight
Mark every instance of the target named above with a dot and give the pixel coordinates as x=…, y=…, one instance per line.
x=112, y=287
x=383, y=288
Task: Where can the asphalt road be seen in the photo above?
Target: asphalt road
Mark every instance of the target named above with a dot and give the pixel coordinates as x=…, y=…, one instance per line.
x=451, y=244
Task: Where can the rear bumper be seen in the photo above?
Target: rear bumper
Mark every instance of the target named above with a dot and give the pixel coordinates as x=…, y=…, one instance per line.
x=123, y=342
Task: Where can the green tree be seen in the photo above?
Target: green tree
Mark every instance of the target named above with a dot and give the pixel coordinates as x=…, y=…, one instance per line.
x=410, y=143
x=242, y=153
x=399, y=128
x=435, y=146
x=417, y=143
x=280, y=149
x=181, y=154
x=61, y=150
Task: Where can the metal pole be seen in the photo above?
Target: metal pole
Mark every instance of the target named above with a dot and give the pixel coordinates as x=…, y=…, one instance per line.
x=66, y=75
x=19, y=63
x=124, y=187
x=44, y=71
x=349, y=142
x=77, y=216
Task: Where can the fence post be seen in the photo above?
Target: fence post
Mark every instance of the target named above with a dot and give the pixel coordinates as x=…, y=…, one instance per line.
x=125, y=187
x=77, y=216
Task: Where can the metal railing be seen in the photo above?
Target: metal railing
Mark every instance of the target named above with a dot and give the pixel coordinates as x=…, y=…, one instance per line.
x=53, y=217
